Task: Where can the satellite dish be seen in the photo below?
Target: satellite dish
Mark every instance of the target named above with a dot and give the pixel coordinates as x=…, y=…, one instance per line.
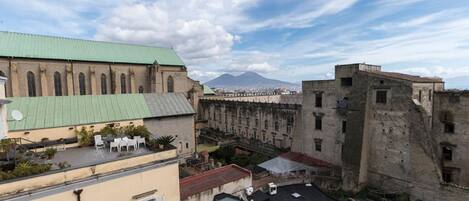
x=17, y=115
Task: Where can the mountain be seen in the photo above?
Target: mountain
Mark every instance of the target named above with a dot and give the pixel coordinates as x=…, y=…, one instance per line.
x=247, y=80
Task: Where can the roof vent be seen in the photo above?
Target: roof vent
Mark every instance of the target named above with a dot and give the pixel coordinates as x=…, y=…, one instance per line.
x=296, y=195
x=17, y=115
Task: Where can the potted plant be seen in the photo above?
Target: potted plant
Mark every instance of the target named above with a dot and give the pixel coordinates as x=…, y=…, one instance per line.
x=50, y=153
x=164, y=141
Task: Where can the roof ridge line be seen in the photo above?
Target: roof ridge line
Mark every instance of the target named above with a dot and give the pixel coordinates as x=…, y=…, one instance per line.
x=88, y=40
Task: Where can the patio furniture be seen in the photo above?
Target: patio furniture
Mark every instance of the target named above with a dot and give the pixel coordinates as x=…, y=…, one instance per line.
x=140, y=140
x=132, y=143
x=115, y=144
x=98, y=142
x=123, y=143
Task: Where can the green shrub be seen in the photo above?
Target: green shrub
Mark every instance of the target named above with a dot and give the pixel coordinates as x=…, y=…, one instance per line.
x=132, y=131
x=224, y=154
x=85, y=137
x=256, y=159
x=165, y=140
x=241, y=160
x=50, y=152
x=24, y=169
x=107, y=130
x=5, y=145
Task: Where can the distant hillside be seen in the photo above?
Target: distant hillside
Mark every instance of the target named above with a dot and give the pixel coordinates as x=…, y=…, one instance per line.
x=247, y=80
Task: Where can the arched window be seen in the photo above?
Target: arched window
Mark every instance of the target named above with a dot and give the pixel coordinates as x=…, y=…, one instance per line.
x=170, y=82
x=57, y=84
x=140, y=89
x=123, y=85
x=81, y=83
x=103, y=84
x=31, y=84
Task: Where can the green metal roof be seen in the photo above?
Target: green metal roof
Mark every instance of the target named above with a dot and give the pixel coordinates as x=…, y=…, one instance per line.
x=168, y=104
x=62, y=111
x=208, y=90
x=50, y=47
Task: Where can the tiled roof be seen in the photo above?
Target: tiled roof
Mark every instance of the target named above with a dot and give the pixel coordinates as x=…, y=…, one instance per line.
x=304, y=159
x=210, y=179
x=62, y=111
x=50, y=47
x=407, y=77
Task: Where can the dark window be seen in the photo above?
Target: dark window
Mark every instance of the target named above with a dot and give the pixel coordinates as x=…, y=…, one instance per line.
x=31, y=84
x=346, y=81
x=140, y=89
x=256, y=122
x=447, y=175
x=420, y=95
x=344, y=126
x=381, y=97
x=81, y=83
x=170, y=84
x=318, y=144
x=318, y=123
x=447, y=153
x=276, y=126
x=187, y=145
x=266, y=124
x=430, y=95
x=57, y=84
x=103, y=84
x=449, y=127
x=318, y=99
x=123, y=84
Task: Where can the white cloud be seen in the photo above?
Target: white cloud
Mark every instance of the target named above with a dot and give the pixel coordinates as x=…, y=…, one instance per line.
x=397, y=2
x=438, y=71
x=196, y=29
x=303, y=16
x=256, y=61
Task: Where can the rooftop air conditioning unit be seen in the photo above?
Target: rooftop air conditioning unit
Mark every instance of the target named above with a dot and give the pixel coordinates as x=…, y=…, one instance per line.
x=249, y=190
x=272, y=189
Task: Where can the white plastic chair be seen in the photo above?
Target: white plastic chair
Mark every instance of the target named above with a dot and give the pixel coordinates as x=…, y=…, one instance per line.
x=132, y=143
x=123, y=143
x=98, y=142
x=140, y=140
x=115, y=144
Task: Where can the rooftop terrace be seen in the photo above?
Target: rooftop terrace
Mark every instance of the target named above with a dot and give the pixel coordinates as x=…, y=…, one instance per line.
x=85, y=163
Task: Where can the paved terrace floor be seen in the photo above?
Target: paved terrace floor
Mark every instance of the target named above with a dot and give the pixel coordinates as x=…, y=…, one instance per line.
x=86, y=156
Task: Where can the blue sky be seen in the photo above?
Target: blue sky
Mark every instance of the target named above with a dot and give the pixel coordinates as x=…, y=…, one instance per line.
x=291, y=40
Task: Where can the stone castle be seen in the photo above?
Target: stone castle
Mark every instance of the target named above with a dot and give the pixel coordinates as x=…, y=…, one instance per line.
x=397, y=132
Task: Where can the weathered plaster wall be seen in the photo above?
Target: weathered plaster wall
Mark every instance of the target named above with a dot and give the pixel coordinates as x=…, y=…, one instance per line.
x=180, y=127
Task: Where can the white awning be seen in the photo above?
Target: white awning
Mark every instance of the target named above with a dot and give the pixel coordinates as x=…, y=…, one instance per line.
x=281, y=165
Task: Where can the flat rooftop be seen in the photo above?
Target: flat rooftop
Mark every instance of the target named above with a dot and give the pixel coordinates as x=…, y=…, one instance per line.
x=285, y=193
x=87, y=156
